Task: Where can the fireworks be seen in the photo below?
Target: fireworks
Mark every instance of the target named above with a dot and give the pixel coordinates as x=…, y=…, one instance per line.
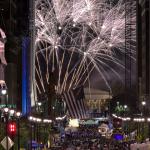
x=76, y=37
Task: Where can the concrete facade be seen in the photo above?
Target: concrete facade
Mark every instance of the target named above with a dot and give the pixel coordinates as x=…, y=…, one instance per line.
x=143, y=38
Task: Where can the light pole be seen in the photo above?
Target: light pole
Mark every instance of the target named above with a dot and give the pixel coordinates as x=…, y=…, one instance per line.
x=143, y=103
x=31, y=126
x=6, y=111
x=12, y=115
x=143, y=107
x=38, y=121
x=18, y=115
x=3, y=92
x=125, y=109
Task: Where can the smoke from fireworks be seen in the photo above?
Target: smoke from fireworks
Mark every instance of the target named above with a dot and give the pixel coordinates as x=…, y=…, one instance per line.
x=76, y=37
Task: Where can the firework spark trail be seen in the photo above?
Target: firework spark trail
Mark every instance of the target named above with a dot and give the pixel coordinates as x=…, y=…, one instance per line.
x=67, y=72
x=40, y=74
x=62, y=9
x=60, y=72
x=94, y=30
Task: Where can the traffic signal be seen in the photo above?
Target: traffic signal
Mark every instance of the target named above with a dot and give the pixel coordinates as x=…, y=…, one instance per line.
x=12, y=128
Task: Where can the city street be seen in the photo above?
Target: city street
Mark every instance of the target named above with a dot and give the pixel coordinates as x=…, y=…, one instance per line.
x=74, y=75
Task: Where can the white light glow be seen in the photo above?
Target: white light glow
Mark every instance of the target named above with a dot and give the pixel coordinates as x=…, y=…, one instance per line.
x=30, y=118
x=12, y=111
x=73, y=123
x=47, y=121
x=125, y=106
x=59, y=27
x=39, y=103
x=6, y=110
x=4, y=91
x=110, y=45
x=103, y=27
x=143, y=103
x=18, y=114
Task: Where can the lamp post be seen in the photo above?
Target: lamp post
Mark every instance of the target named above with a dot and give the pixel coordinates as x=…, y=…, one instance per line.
x=125, y=107
x=143, y=113
x=38, y=121
x=12, y=115
x=31, y=126
x=6, y=111
x=3, y=92
x=18, y=115
x=143, y=107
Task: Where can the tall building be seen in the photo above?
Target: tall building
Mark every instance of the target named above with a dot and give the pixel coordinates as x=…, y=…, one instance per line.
x=143, y=38
x=8, y=23
x=11, y=14
x=22, y=33
x=8, y=10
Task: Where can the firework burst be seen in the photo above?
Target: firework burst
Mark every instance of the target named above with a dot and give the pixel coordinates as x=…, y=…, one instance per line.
x=76, y=37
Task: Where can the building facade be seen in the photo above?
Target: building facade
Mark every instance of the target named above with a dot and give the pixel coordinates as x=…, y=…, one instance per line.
x=143, y=38
x=11, y=14
x=8, y=10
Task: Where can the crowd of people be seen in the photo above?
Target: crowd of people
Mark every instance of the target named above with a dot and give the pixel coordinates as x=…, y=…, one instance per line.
x=95, y=144
x=83, y=133
x=88, y=138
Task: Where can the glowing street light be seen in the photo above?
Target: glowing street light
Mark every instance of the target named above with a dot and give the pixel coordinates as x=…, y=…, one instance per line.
x=6, y=110
x=125, y=106
x=143, y=103
x=18, y=115
x=4, y=91
x=39, y=103
x=12, y=111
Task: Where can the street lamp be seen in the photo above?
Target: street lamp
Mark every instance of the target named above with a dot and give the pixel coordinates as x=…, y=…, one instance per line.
x=125, y=106
x=18, y=115
x=143, y=106
x=143, y=113
x=3, y=91
x=12, y=111
x=125, y=109
x=38, y=121
x=39, y=107
x=30, y=119
x=143, y=103
x=39, y=103
x=6, y=111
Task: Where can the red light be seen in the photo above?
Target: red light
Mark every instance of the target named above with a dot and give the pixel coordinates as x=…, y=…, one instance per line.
x=12, y=128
